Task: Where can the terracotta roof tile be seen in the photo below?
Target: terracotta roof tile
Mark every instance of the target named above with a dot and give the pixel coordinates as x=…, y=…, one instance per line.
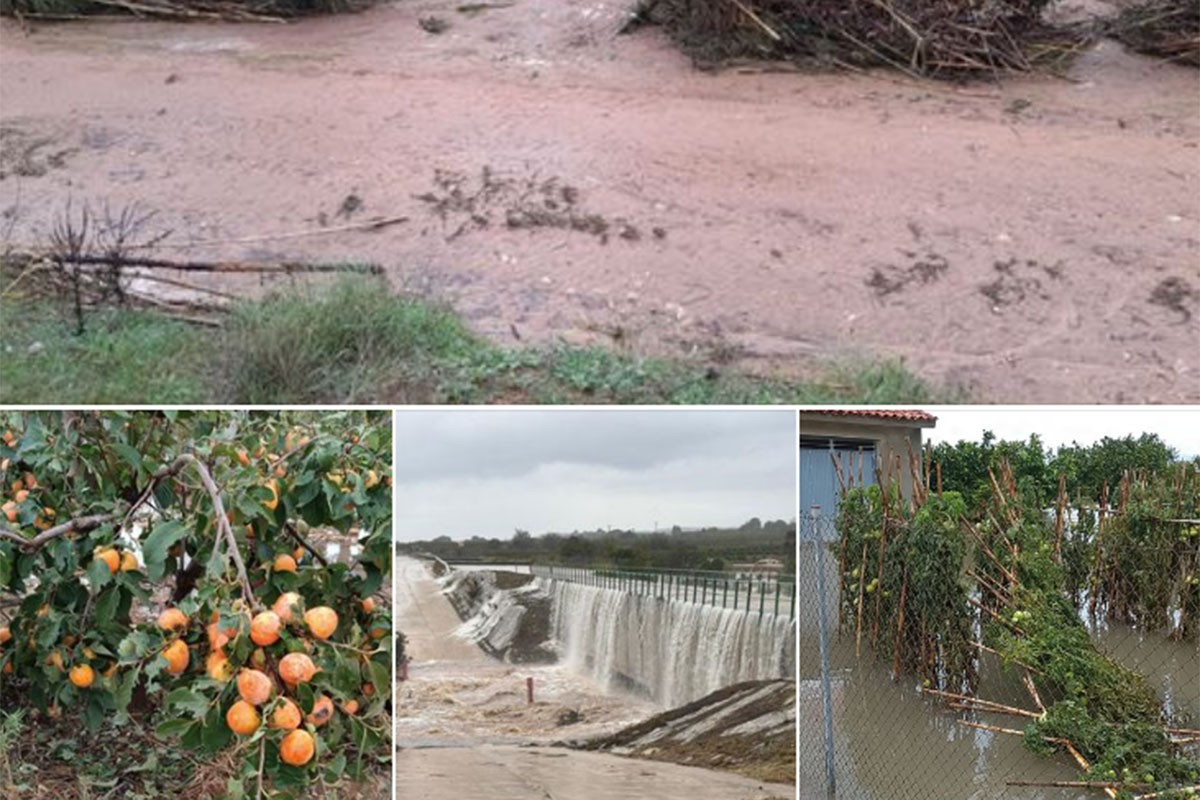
x=904, y=414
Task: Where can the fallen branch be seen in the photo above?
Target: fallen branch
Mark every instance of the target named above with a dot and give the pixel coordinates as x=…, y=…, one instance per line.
x=757, y=20
x=1005, y=657
x=1165, y=792
x=367, y=225
x=980, y=704
x=285, y=267
x=1080, y=784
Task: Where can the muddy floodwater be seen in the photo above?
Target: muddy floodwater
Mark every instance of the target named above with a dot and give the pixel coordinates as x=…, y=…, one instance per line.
x=463, y=722
x=1034, y=239
x=890, y=741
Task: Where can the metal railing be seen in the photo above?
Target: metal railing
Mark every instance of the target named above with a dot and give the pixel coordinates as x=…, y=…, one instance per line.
x=752, y=593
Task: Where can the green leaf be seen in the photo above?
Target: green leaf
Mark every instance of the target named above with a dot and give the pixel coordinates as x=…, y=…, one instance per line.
x=93, y=714
x=98, y=574
x=333, y=772
x=217, y=564
x=234, y=790
x=124, y=691
x=6, y=565
x=216, y=733
x=173, y=727
x=130, y=455
x=188, y=701
x=106, y=607
x=345, y=677
x=156, y=545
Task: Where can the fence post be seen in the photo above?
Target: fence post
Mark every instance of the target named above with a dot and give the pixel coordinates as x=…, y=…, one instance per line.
x=814, y=514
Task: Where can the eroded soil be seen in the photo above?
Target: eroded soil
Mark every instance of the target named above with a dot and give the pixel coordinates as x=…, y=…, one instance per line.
x=1036, y=240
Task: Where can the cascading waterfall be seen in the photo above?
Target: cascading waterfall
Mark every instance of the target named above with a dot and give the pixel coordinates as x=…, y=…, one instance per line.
x=670, y=650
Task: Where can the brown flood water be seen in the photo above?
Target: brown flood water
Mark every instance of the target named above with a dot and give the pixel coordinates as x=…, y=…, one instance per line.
x=890, y=741
x=463, y=725
x=1034, y=240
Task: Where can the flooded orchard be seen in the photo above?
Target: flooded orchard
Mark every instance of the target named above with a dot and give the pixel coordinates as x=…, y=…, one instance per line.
x=890, y=740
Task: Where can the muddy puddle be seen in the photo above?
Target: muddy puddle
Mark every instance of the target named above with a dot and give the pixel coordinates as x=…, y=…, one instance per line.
x=1035, y=239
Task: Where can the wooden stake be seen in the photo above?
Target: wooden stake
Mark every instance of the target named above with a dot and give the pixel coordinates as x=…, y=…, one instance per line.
x=983, y=646
x=1033, y=692
x=1060, y=518
x=899, y=626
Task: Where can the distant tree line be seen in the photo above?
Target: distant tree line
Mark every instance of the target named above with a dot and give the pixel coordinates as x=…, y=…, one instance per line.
x=1036, y=468
x=708, y=548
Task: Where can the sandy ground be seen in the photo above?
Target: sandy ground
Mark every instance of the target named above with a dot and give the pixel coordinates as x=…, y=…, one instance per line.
x=1036, y=240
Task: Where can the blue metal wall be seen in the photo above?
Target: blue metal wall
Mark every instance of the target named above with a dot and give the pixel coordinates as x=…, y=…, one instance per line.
x=818, y=479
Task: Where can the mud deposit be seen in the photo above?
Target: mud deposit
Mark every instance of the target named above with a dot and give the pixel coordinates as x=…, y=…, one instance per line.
x=1035, y=240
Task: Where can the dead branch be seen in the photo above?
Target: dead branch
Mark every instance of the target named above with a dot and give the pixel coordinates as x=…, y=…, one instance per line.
x=284, y=267
x=367, y=225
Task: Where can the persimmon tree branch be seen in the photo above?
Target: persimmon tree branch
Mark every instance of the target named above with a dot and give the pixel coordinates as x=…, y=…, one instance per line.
x=77, y=525
x=89, y=523
x=295, y=534
x=223, y=527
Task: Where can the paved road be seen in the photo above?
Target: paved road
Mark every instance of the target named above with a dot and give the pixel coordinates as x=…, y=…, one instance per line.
x=546, y=773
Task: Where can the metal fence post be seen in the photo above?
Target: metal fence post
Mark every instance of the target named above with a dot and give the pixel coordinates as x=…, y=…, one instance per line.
x=814, y=514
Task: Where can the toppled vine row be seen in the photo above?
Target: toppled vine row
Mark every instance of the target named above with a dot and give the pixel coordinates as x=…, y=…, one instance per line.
x=918, y=579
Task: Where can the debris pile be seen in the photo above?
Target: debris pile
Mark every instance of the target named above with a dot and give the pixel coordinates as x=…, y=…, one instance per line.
x=926, y=38
x=1167, y=29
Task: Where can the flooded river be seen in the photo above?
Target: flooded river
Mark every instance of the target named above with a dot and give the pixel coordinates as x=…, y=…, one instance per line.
x=463, y=722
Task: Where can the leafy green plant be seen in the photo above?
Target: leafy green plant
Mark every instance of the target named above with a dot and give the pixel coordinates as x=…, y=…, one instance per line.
x=901, y=584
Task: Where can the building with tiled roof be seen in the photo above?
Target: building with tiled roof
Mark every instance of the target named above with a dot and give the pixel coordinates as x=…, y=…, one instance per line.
x=860, y=443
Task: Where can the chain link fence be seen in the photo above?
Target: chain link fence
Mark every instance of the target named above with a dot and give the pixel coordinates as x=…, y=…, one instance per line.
x=869, y=726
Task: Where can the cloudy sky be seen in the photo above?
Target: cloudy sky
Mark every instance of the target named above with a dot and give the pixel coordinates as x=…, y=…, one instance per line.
x=486, y=472
x=1180, y=428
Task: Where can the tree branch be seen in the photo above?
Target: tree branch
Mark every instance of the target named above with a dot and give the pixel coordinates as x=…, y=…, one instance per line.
x=89, y=523
x=295, y=534
x=223, y=527
x=77, y=525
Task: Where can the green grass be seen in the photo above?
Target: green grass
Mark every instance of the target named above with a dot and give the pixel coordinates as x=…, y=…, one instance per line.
x=356, y=343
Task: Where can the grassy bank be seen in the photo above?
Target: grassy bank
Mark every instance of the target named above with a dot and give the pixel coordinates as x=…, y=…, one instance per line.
x=354, y=343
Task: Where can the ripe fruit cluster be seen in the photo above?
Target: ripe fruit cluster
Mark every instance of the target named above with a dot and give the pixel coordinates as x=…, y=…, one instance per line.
x=268, y=686
x=22, y=496
x=251, y=645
